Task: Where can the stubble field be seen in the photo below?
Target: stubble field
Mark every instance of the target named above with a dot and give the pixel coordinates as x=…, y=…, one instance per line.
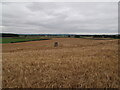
x=77, y=63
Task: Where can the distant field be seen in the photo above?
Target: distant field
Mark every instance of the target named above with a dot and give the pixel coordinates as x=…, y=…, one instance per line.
x=75, y=63
x=15, y=40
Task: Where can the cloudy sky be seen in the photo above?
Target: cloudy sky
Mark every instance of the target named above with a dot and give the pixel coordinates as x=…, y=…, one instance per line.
x=60, y=17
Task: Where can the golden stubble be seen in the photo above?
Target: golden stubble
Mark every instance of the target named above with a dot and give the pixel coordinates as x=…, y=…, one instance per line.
x=75, y=63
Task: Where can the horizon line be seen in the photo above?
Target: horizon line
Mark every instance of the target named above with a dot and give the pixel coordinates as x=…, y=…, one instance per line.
x=66, y=33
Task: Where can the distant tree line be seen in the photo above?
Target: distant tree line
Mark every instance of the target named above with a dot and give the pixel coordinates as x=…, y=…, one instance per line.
x=107, y=36
x=99, y=36
x=8, y=35
x=60, y=35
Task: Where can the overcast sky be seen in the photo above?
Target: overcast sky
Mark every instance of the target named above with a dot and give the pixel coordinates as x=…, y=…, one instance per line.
x=60, y=17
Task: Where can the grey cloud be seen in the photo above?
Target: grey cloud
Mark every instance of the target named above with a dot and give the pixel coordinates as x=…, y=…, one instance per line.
x=51, y=17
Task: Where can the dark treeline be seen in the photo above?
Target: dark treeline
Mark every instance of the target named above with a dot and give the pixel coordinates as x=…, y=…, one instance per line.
x=60, y=35
x=99, y=36
x=8, y=35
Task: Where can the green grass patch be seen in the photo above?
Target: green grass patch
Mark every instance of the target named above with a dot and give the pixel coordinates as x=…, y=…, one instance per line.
x=15, y=40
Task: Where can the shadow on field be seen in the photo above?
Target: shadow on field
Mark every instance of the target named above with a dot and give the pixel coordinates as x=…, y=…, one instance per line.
x=99, y=38
x=30, y=40
x=102, y=38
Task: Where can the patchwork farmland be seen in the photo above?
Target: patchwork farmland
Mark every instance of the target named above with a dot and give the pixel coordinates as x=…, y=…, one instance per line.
x=75, y=63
